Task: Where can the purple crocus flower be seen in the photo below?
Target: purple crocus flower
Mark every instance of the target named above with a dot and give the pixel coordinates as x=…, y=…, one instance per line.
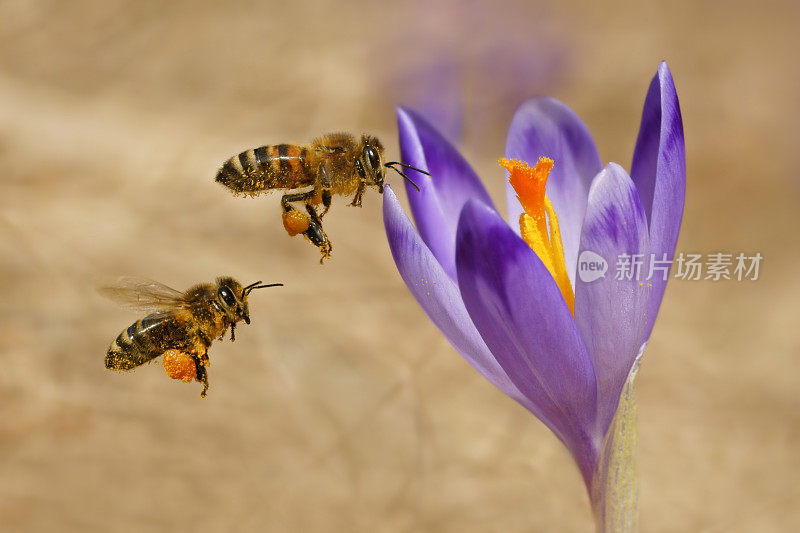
x=500, y=303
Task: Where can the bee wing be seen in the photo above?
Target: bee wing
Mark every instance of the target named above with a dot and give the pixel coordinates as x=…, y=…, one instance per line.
x=144, y=295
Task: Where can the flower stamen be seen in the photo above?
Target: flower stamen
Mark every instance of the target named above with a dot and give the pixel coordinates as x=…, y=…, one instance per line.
x=529, y=184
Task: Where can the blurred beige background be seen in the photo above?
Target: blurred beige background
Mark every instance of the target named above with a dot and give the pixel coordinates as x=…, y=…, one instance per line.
x=341, y=408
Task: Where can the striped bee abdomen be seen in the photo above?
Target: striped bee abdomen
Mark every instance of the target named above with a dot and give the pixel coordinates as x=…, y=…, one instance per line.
x=280, y=166
x=143, y=341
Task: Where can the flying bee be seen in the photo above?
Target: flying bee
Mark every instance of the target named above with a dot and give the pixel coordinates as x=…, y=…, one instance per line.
x=334, y=164
x=181, y=325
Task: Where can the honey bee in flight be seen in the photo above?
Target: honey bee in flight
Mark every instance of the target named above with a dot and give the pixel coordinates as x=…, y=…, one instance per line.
x=181, y=325
x=334, y=164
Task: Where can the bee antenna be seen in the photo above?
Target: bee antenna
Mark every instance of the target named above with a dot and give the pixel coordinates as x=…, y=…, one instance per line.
x=389, y=165
x=253, y=286
x=250, y=287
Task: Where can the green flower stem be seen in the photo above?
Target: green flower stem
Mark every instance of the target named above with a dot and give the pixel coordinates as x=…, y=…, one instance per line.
x=616, y=489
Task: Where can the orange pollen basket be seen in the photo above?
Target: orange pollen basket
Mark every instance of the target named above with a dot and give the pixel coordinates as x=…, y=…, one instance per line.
x=179, y=365
x=529, y=184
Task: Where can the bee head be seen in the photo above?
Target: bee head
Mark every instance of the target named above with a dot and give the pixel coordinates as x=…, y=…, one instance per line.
x=231, y=300
x=369, y=163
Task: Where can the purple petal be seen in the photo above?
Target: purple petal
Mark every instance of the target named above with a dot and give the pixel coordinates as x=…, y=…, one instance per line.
x=544, y=127
x=611, y=313
x=521, y=315
x=439, y=297
x=437, y=207
x=659, y=172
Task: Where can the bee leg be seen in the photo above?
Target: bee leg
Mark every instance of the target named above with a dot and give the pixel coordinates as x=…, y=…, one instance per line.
x=202, y=373
x=287, y=199
x=315, y=218
x=326, y=202
x=318, y=238
x=309, y=225
x=317, y=235
x=326, y=194
x=294, y=221
x=357, y=198
x=203, y=349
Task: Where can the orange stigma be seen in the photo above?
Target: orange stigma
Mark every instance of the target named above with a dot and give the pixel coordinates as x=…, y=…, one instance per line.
x=529, y=184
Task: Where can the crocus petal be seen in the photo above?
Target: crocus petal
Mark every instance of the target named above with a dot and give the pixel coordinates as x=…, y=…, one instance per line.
x=544, y=127
x=610, y=312
x=442, y=195
x=659, y=172
x=521, y=315
x=439, y=297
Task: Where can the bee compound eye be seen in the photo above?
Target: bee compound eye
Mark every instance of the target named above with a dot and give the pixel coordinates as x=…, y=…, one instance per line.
x=372, y=157
x=227, y=296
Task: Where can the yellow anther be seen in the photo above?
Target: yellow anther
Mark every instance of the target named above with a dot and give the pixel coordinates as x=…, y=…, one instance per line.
x=529, y=184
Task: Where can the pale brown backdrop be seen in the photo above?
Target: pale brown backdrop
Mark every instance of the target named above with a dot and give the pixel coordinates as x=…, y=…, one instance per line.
x=341, y=408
